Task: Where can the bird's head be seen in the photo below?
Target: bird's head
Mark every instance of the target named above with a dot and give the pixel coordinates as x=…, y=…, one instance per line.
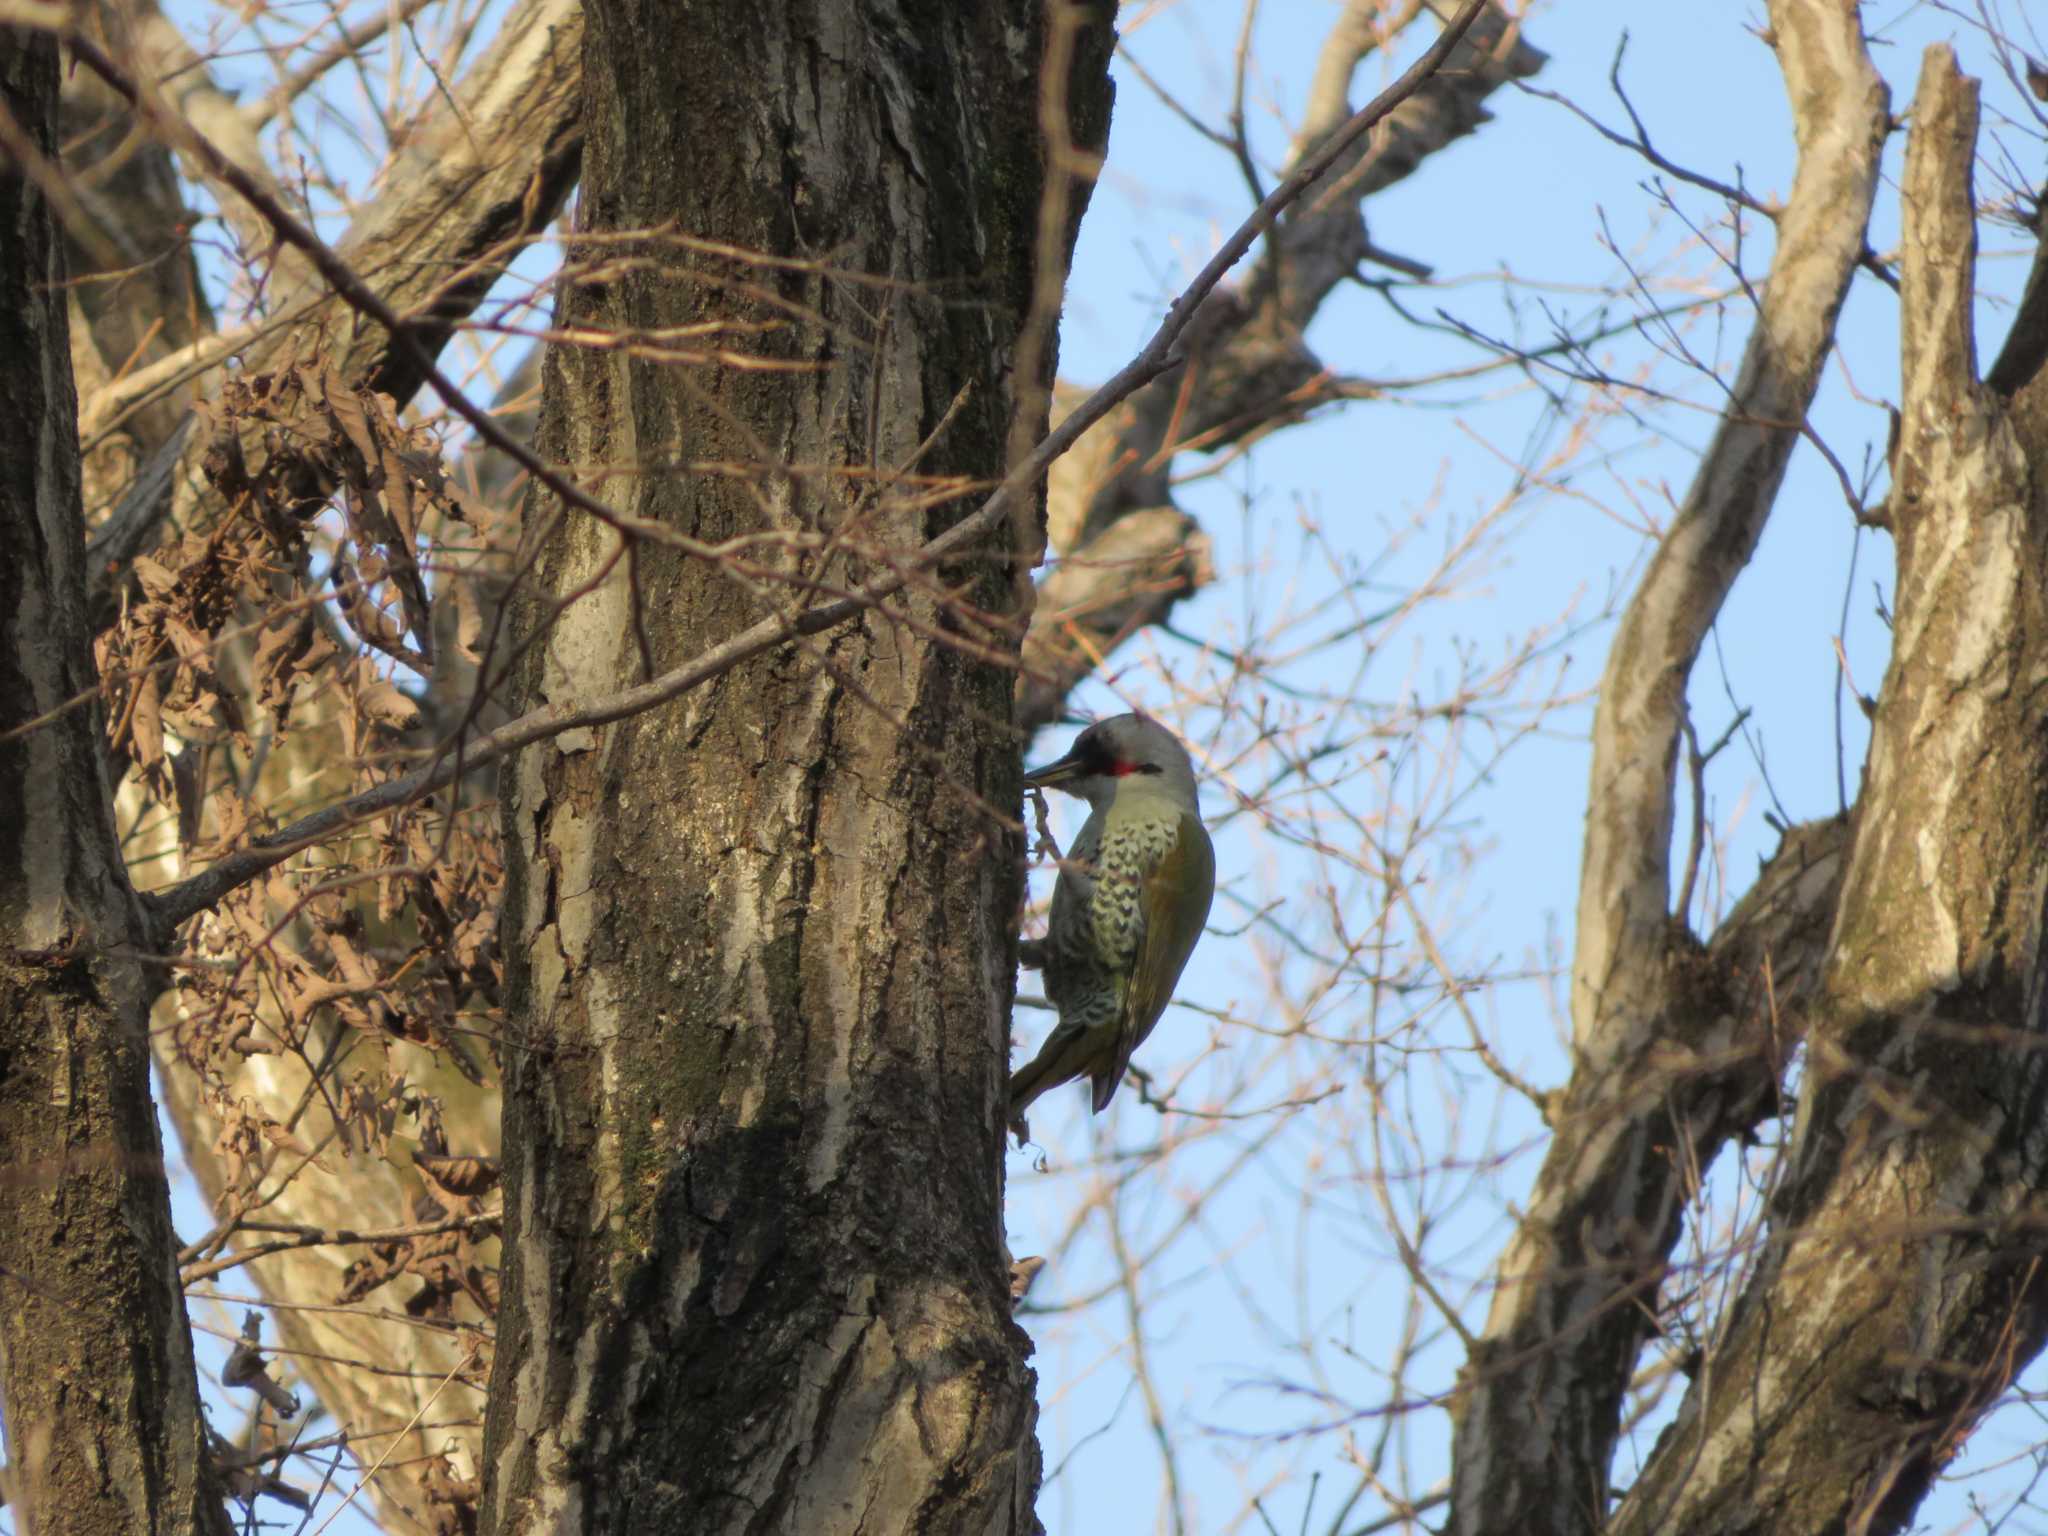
x=1124, y=751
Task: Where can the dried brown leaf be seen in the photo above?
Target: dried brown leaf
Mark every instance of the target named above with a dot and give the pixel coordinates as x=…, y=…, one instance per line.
x=386, y=704
x=188, y=785
x=156, y=580
x=457, y=1178
x=145, y=723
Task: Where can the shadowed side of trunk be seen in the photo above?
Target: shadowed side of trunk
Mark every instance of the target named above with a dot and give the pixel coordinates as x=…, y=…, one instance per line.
x=760, y=940
x=96, y=1375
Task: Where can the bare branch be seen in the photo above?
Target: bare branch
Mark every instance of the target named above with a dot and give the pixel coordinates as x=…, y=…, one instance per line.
x=1639, y=142
x=1625, y=879
x=352, y=40
x=1905, y=1249
x=481, y=177
x=174, y=904
x=1127, y=577
x=298, y=1235
x=1578, y=1282
x=1248, y=365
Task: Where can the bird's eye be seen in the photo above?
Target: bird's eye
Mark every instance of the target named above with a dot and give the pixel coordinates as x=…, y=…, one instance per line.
x=1150, y=768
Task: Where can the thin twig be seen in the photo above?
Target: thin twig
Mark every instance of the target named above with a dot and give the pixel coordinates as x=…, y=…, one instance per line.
x=176, y=903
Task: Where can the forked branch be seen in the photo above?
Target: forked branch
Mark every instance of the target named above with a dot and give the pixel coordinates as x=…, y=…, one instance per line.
x=174, y=904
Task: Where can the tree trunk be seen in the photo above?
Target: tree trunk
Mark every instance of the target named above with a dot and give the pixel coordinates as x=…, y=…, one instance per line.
x=1897, y=1293
x=1901, y=1290
x=1676, y=1049
x=103, y=1426
x=760, y=941
x=486, y=167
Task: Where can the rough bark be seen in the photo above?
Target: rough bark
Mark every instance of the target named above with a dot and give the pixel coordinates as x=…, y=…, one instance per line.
x=1900, y=1291
x=489, y=165
x=1665, y=1045
x=1127, y=552
x=760, y=940
x=103, y=1424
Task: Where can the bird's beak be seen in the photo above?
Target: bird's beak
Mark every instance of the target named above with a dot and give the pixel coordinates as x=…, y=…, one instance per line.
x=1056, y=772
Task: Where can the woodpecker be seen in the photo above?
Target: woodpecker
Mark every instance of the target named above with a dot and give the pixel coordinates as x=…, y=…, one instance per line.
x=1130, y=902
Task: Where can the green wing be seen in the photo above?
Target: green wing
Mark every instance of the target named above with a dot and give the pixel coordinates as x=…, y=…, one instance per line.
x=1175, y=900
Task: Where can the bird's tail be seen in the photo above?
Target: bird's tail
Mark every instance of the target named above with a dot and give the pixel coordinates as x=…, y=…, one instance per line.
x=1061, y=1059
x=1039, y=1075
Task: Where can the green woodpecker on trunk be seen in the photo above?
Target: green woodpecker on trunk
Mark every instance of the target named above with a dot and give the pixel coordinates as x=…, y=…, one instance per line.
x=1132, y=896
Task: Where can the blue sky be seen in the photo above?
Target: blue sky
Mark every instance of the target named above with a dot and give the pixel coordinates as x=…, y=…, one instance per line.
x=1525, y=223
x=1538, y=195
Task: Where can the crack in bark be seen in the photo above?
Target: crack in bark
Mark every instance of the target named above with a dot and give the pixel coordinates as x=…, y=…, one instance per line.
x=1620, y=1157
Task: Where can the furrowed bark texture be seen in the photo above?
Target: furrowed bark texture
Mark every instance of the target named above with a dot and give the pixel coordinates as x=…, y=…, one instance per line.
x=1669, y=1042
x=489, y=165
x=1901, y=1290
x=1127, y=552
x=760, y=940
x=96, y=1375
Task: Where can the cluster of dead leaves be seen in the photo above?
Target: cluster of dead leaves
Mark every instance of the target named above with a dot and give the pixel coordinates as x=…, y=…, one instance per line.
x=254, y=673
x=348, y=446
x=450, y=1198
x=302, y=610
x=286, y=959
x=454, y=1502
x=250, y=596
x=159, y=662
x=248, y=1475
x=455, y=1195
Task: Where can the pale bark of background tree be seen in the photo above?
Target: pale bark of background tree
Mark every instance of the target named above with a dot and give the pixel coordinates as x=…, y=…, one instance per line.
x=1667, y=1045
x=1904, y=1262
x=105, y=1434
x=1128, y=552
x=487, y=168
x=761, y=942
x=762, y=936
x=1896, y=1296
